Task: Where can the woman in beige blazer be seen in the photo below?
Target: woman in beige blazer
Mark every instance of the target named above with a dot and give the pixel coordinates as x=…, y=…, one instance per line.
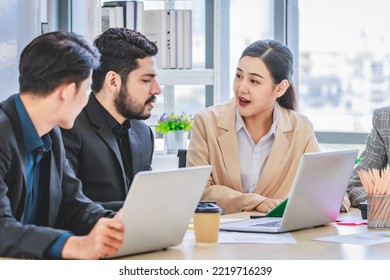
x=254, y=141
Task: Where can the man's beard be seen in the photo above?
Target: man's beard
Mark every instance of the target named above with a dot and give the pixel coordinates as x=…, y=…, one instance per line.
x=128, y=108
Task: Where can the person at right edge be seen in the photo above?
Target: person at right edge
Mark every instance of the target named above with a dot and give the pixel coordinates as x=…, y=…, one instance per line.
x=375, y=155
x=254, y=141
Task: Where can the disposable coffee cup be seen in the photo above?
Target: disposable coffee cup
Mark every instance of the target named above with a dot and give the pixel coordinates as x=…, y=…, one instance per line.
x=206, y=222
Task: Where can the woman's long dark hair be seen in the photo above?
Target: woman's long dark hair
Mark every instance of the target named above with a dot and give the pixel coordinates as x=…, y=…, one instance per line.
x=279, y=61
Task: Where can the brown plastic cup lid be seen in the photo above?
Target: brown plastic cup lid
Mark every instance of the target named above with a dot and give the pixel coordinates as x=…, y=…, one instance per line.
x=208, y=206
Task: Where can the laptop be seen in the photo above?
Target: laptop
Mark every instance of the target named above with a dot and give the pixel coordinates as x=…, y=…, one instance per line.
x=315, y=198
x=159, y=208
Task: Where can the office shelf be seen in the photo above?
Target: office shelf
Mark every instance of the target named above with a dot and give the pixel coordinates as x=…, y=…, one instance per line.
x=216, y=70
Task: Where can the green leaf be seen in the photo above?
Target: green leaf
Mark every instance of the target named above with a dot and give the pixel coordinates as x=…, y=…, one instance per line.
x=174, y=122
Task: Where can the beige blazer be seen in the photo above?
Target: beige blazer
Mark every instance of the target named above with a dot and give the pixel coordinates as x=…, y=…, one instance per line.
x=213, y=141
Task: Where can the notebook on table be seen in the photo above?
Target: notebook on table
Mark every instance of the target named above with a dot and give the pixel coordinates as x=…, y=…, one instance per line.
x=159, y=208
x=316, y=194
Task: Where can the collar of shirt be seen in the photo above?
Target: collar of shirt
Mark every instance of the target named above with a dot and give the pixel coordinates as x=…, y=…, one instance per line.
x=32, y=141
x=113, y=123
x=240, y=124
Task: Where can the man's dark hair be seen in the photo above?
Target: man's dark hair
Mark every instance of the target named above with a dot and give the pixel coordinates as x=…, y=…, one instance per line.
x=120, y=48
x=54, y=58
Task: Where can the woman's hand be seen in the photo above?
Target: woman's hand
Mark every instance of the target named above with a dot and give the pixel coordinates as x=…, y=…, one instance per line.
x=267, y=205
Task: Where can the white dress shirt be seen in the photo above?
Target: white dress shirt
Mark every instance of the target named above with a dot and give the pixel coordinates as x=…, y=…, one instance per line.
x=253, y=156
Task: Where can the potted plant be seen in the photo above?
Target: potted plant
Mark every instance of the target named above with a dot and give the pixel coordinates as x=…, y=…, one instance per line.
x=176, y=129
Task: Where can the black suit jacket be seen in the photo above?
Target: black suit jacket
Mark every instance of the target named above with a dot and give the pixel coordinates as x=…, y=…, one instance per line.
x=94, y=155
x=67, y=208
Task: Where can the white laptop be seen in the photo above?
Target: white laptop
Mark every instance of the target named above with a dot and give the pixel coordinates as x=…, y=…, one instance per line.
x=159, y=208
x=316, y=194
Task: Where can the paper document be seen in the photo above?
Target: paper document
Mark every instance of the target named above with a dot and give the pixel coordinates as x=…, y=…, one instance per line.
x=226, y=237
x=222, y=221
x=245, y=237
x=364, y=238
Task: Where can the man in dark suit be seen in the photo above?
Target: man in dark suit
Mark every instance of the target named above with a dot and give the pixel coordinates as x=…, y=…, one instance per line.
x=109, y=142
x=43, y=212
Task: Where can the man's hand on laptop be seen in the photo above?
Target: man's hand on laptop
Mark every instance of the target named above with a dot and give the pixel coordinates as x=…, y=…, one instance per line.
x=267, y=205
x=103, y=241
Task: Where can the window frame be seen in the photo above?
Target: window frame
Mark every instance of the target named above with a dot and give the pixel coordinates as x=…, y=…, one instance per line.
x=287, y=31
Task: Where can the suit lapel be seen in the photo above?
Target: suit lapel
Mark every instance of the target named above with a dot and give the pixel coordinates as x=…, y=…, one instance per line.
x=228, y=144
x=54, y=194
x=103, y=130
x=278, y=151
x=136, y=151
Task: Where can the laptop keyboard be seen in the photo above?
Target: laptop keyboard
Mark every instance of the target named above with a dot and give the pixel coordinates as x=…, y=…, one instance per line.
x=269, y=224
